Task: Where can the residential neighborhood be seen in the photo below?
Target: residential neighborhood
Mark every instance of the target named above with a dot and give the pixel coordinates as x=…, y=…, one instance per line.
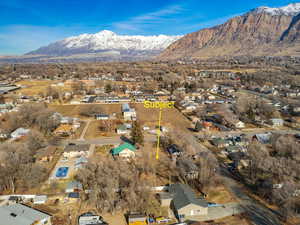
x=137, y=147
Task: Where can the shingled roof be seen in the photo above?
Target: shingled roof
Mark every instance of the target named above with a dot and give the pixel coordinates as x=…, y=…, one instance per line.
x=184, y=195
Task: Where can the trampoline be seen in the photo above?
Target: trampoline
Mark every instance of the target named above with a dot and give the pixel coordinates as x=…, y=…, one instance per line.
x=62, y=171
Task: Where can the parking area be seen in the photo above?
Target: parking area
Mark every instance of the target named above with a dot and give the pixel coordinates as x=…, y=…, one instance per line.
x=219, y=212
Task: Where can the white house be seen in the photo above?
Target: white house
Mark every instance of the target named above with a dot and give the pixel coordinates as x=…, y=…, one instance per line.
x=276, y=122
x=122, y=129
x=128, y=113
x=101, y=117
x=73, y=150
x=240, y=124
x=20, y=132
x=40, y=199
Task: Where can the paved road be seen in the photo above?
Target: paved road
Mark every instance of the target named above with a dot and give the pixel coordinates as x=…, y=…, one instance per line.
x=283, y=101
x=249, y=132
x=258, y=213
x=108, y=140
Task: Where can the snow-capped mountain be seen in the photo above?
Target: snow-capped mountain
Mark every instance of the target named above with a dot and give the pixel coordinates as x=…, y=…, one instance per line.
x=107, y=41
x=263, y=31
x=289, y=10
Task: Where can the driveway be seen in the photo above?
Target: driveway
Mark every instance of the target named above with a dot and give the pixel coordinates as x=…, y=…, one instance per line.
x=219, y=212
x=85, y=129
x=248, y=132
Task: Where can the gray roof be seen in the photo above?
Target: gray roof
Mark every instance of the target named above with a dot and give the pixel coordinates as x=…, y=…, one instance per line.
x=18, y=214
x=74, y=184
x=90, y=219
x=184, y=195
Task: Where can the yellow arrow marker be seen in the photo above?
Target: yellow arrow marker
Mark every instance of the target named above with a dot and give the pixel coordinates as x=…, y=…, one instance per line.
x=158, y=134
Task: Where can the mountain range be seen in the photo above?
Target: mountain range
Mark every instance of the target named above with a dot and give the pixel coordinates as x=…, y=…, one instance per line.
x=263, y=31
x=108, y=43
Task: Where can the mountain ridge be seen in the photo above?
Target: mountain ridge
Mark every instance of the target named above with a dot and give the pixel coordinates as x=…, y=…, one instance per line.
x=261, y=31
x=106, y=41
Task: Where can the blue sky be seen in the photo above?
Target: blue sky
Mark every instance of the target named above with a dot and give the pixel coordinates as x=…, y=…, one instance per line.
x=26, y=25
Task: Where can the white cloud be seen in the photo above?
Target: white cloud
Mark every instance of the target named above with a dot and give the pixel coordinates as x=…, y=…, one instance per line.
x=139, y=23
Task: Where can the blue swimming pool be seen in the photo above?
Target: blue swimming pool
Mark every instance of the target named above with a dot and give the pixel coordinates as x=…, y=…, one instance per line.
x=62, y=171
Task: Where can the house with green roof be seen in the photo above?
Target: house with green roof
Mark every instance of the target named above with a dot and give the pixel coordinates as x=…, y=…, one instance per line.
x=125, y=150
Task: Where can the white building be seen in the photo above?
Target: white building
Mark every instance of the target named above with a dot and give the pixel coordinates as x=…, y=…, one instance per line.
x=18, y=214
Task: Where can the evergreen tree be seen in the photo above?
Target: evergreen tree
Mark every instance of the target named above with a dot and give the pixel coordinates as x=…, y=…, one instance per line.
x=136, y=134
x=108, y=88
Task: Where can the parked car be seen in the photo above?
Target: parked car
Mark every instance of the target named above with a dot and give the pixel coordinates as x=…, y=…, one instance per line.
x=162, y=220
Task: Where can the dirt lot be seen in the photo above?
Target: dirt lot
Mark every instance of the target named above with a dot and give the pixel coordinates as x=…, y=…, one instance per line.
x=34, y=87
x=74, y=110
x=93, y=131
x=170, y=117
x=220, y=195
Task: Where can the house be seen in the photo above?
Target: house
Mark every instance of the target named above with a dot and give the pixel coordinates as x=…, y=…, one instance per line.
x=73, y=150
x=101, y=117
x=185, y=203
x=20, y=132
x=174, y=150
x=90, y=218
x=18, y=214
x=64, y=130
x=276, y=122
x=74, y=186
x=239, y=125
x=66, y=120
x=40, y=199
x=220, y=142
x=240, y=141
x=264, y=138
x=122, y=129
x=45, y=154
x=125, y=150
x=137, y=219
x=128, y=113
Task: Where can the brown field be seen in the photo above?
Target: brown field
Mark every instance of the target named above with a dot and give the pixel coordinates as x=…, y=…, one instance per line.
x=74, y=110
x=220, y=195
x=94, y=132
x=170, y=117
x=34, y=87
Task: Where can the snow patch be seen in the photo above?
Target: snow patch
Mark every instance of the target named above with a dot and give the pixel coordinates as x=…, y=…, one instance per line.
x=289, y=10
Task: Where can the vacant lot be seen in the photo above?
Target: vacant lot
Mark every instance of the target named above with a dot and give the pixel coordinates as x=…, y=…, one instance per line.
x=35, y=87
x=170, y=117
x=94, y=131
x=74, y=110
